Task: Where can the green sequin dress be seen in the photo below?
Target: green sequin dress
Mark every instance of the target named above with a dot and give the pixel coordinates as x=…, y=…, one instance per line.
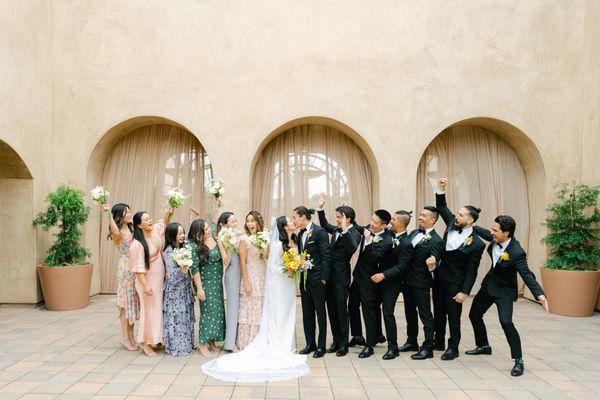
x=212, y=311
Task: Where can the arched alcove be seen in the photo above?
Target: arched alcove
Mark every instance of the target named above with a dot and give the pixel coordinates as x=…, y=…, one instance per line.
x=310, y=155
x=17, y=254
x=139, y=161
x=493, y=165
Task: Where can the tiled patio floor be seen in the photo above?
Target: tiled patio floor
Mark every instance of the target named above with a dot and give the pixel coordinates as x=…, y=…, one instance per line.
x=76, y=355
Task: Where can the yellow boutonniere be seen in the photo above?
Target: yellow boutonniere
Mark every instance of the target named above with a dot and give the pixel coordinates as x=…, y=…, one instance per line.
x=395, y=242
x=377, y=239
x=469, y=241
x=504, y=256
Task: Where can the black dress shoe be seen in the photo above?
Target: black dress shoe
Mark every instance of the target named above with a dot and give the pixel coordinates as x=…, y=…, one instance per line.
x=333, y=348
x=423, y=354
x=357, y=341
x=307, y=350
x=320, y=352
x=342, y=351
x=450, y=354
x=438, y=346
x=518, y=369
x=486, y=350
x=381, y=339
x=391, y=354
x=366, y=352
x=409, y=347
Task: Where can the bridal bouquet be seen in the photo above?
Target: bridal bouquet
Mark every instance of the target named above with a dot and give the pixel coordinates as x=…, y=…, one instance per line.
x=294, y=263
x=182, y=257
x=229, y=237
x=100, y=195
x=261, y=241
x=176, y=197
x=215, y=187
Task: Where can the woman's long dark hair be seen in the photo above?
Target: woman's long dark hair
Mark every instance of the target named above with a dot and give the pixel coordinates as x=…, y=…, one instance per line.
x=171, y=233
x=283, y=235
x=138, y=235
x=260, y=223
x=118, y=213
x=222, y=221
x=196, y=235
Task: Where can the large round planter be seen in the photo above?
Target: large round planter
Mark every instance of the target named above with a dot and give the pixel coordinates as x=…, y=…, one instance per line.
x=571, y=293
x=66, y=288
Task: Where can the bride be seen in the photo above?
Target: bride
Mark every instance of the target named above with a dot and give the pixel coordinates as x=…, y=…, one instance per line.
x=270, y=356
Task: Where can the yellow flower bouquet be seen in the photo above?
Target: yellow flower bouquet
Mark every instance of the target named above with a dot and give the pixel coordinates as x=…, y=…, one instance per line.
x=294, y=263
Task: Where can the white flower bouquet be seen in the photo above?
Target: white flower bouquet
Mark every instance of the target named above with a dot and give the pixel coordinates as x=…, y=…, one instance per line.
x=229, y=237
x=215, y=187
x=100, y=195
x=261, y=241
x=176, y=197
x=182, y=257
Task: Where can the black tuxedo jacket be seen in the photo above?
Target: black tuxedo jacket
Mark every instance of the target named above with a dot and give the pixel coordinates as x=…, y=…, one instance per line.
x=317, y=247
x=342, y=249
x=418, y=274
x=501, y=280
x=458, y=267
x=396, y=261
x=369, y=260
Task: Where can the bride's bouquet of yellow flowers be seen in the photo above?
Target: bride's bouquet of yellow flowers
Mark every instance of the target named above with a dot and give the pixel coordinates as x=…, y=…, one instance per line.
x=294, y=263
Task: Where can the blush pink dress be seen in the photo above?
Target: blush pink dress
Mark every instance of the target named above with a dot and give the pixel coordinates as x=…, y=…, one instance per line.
x=151, y=307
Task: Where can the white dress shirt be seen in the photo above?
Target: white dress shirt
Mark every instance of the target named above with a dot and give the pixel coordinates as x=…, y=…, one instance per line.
x=419, y=236
x=454, y=239
x=308, y=228
x=497, y=251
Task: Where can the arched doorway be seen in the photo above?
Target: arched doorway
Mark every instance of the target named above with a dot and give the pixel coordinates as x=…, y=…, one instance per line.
x=490, y=164
x=17, y=247
x=139, y=167
x=309, y=156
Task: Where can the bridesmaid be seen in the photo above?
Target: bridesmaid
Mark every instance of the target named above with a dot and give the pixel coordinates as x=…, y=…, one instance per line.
x=207, y=272
x=232, y=285
x=178, y=308
x=128, y=305
x=146, y=261
x=253, y=268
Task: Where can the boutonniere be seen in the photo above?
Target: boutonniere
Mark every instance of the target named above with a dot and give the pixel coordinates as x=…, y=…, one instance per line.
x=377, y=239
x=426, y=238
x=308, y=233
x=395, y=242
x=469, y=241
x=504, y=256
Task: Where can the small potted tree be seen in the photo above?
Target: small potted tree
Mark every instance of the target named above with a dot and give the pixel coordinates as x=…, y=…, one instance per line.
x=571, y=276
x=66, y=275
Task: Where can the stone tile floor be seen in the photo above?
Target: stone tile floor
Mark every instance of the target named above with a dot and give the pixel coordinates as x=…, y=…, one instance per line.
x=76, y=355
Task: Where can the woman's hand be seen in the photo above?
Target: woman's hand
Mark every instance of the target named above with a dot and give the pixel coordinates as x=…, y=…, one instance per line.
x=195, y=212
x=247, y=287
x=184, y=270
x=148, y=291
x=201, y=295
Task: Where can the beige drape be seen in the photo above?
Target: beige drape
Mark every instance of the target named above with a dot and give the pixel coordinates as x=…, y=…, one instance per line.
x=306, y=160
x=484, y=171
x=141, y=169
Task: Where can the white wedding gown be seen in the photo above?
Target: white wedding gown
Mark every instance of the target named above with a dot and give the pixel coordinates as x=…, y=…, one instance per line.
x=270, y=356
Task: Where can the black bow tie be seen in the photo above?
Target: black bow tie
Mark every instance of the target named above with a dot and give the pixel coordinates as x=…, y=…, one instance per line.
x=302, y=231
x=423, y=231
x=338, y=230
x=500, y=245
x=459, y=230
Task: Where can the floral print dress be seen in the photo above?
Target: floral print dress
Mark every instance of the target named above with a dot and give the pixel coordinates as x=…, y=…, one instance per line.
x=212, y=311
x=178, y=309
x=127, y=297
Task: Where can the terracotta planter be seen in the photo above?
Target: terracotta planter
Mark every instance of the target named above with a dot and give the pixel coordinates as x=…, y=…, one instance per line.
x=66, y=288
x=571, y=293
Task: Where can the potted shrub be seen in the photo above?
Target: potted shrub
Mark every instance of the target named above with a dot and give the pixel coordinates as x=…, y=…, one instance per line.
x=66, y=275
x=571, y=275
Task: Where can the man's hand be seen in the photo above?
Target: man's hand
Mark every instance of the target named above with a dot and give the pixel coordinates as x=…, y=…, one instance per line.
x=442, y=184
x=378, y=277
x=344, y=223
x=367, y=234
x=322, y=198
x=431, y=262
x=460, y=297
x=323, y=281
x=544, y=302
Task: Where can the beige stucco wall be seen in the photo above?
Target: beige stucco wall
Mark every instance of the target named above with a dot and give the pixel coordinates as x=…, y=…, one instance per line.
x=397, y=73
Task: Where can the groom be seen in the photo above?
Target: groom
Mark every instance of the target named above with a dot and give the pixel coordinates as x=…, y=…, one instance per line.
x=315, y=241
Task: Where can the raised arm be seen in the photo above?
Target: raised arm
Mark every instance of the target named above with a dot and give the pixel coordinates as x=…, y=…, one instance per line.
x=115, y=233
x=322, y=219
x=352, y=241
x=441, y=204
